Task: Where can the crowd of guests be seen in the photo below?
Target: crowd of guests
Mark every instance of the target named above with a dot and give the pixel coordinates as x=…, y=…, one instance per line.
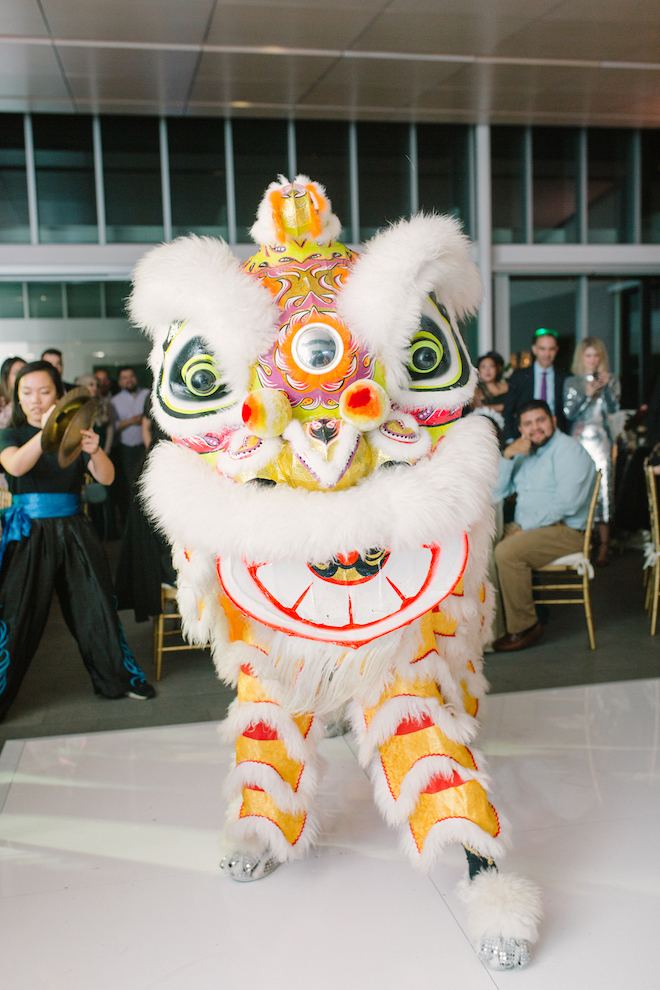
x=555, y=435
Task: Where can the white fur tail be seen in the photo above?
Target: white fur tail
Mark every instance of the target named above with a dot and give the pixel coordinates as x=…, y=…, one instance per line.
x=501, y=905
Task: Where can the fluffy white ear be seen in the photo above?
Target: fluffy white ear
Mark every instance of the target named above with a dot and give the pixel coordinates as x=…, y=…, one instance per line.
x=199, y=281
x=383, y=298
x=265, y=230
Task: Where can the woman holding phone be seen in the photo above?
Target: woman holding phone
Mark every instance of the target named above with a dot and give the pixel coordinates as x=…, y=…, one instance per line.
x=591, y=395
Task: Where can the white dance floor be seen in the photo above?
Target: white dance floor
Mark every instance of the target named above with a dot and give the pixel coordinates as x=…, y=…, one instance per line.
x=109, y=851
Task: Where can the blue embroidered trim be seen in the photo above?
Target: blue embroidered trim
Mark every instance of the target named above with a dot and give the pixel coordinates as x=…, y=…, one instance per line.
x=5, y=659
x=129, y=659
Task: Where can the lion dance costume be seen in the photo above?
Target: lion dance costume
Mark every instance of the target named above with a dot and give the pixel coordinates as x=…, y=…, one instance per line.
x=330, y=517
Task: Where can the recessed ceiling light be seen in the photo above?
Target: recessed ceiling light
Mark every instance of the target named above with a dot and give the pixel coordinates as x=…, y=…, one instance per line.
x=240, y=103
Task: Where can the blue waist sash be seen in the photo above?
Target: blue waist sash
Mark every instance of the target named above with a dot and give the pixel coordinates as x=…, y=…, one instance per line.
x=17, y=520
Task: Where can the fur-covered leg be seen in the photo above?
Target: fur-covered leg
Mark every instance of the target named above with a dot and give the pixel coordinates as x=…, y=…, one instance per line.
x=425, y=777
x=503, y=912
x=273, y=783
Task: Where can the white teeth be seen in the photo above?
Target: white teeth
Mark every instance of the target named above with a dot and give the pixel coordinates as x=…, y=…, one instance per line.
x=293, y=598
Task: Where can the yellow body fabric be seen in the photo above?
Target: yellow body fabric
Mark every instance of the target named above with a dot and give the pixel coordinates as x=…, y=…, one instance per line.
x=451, y=795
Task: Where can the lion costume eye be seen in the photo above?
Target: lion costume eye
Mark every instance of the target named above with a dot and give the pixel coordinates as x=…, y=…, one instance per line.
x=201, y=375
x=190, y=382
x=437, y=360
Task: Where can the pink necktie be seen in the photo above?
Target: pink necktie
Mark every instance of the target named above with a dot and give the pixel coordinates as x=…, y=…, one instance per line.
x=544, y=388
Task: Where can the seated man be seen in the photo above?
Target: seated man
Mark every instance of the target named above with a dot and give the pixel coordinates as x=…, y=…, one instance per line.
x=553, y=477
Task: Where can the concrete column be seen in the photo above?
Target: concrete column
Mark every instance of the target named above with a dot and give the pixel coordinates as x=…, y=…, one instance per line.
x=484, y=234
x=502, y=312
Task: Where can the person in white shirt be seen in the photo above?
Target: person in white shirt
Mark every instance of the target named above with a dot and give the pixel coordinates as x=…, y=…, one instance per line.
x=128, y=408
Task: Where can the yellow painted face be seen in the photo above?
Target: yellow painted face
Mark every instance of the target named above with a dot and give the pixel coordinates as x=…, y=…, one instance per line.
x=318, y=411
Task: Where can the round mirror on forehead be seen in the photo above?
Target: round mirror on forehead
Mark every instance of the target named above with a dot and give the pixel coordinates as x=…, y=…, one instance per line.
x=317, y=348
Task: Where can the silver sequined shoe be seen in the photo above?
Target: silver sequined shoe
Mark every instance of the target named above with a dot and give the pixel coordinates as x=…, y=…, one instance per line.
x=244, y=866
x=505, y=953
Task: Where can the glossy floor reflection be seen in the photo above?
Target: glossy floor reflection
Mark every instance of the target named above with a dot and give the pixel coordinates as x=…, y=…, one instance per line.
x=109, y=850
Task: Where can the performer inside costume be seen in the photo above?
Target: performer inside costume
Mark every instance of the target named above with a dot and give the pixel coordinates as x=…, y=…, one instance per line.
x=330, y=515
x=47, y=545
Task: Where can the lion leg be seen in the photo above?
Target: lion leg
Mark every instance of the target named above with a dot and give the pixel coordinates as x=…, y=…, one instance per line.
x=273, y=784
x=430, y=784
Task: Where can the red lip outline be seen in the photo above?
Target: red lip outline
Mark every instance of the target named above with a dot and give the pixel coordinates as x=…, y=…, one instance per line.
x=324, y=633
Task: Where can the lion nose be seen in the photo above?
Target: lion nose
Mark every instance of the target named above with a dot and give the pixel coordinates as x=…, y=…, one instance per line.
x=325, y=429
x=364, y=404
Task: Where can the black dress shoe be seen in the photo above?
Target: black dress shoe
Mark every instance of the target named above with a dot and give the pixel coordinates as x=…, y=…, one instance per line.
x=518, y=641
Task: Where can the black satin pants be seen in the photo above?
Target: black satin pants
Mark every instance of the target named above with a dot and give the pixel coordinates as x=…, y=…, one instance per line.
x=63, y=555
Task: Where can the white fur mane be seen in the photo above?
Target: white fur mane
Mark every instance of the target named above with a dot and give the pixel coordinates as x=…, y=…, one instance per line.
x=398, y=508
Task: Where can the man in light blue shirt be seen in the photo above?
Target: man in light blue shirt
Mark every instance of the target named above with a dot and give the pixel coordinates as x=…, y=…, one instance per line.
x=553, y=477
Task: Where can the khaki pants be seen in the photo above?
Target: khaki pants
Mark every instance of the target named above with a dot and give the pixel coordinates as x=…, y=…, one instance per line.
x=517, y=556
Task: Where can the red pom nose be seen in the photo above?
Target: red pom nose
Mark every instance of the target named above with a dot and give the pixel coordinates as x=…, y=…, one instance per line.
x=364, y=404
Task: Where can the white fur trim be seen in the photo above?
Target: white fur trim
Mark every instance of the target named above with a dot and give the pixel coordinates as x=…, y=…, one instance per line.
x=383, y=298
x=247, y=467
x=241, y=715
x=458, y=726
x=327, y=472
x=501, y=905
x=396, y=508
x=451, y=831
x=396, y=811
x=319, y=677
x=250, y=773
x=256, y=832
x=398, y=450
x=197, y=594
x=199, y=280
x=263, y=230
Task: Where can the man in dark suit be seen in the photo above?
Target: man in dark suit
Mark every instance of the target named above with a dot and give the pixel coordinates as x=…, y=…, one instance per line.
x=540, y=381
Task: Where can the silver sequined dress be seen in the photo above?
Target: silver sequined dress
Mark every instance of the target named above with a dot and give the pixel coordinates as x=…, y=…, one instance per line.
x=590, y=426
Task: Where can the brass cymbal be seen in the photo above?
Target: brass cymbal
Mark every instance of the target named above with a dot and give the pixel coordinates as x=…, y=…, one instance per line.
x=71, y=445
x=60, y=418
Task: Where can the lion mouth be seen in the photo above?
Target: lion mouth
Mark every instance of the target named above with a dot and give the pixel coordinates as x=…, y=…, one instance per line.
x=350, y=600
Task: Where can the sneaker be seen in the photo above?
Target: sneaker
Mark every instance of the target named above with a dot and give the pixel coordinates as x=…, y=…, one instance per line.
x=141, y=692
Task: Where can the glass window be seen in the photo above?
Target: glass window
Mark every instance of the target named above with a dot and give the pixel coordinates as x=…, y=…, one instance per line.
x=469, y=329
x=66, y=192
x=651, y=187
x=116, y=296
x=11, y=300
x=508, y=184
x=609, y=204
x=443, y=170
x=602, y=315
x=14, y=218
x=45, y=300
x=653, y=289
x=322, y=154
x=542, y=302
x=260, y=155
x=131, y=175
x=555, y=171
x=632, y=349
x=83, y=299
x=384, y=175
x=198, y=181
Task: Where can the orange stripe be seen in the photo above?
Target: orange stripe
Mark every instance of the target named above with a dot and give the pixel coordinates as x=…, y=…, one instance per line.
x=468, y=801
x=401, y=688
x=271, y=753
x=258, y=804
x=400, y=753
